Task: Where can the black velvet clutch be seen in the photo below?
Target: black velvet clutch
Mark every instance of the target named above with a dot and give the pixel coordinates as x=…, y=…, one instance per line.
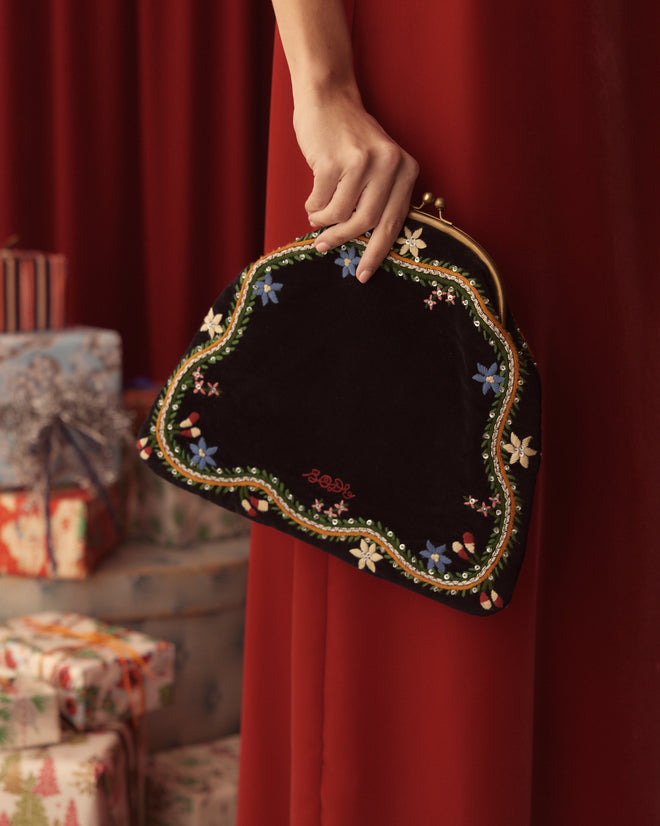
x=395, y=425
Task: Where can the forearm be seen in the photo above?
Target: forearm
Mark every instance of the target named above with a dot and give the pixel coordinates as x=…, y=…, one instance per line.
x=362, y=179
x=317, y=46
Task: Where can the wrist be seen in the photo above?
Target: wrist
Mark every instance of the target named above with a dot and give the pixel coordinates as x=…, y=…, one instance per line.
x=325, y=91
x=318, y=84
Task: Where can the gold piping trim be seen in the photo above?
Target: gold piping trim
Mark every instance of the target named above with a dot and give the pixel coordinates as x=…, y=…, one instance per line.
x=366, y=533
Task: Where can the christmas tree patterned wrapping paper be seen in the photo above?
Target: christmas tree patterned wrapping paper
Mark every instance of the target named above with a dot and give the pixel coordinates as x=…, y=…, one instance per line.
x=89, y=779
x=82, y=532
x=56, y=386
x=194, y=785
x=29, y=712
x=102, y=673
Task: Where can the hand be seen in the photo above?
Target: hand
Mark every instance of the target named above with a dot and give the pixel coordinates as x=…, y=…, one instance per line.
x=362, y=179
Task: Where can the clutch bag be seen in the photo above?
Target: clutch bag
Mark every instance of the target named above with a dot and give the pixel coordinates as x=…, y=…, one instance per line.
x=393, y=424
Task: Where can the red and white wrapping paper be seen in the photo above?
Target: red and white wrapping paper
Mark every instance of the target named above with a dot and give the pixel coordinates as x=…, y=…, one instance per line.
x=82, y=532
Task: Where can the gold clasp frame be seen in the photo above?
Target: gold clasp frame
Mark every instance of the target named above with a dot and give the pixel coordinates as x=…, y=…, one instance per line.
x=420, y=213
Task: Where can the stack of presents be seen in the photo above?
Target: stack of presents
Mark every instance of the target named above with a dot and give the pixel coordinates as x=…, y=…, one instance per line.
x=121, y=597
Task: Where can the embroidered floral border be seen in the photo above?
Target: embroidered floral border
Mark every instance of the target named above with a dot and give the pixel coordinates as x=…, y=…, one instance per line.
x=367, y=541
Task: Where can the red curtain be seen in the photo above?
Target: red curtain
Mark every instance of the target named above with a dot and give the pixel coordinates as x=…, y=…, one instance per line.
x=133, y=139
x=548, y=153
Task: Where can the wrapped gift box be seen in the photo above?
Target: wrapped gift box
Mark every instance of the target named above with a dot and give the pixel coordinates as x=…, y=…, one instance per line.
x=102, y=673
x=32, y=290
x=29, y=712
x=173, y=517
x=163, y=513
x=195, y=599
x=90, y=779
x=194, y=785
x=73, y=374
x=82, y=532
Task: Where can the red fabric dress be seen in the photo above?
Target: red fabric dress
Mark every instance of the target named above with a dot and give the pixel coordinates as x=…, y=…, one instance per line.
x=366, y=704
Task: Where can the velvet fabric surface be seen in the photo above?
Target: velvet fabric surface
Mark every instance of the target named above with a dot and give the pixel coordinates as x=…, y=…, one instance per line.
x=270, y=413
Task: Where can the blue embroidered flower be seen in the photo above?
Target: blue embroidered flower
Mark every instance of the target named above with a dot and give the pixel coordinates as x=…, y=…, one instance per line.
x=489, y=378
x=203, y=454
x=436, y=557
x=267, y=289
x=348, y=261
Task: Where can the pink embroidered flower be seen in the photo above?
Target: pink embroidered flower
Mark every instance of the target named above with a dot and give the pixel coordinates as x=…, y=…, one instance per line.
x=430, y=303
x=318, y=505
x=470, y=502
x=212, y=389
x=340, y=507
x=484, y=509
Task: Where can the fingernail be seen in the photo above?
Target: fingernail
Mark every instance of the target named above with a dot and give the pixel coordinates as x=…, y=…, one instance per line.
x=364, y=275
x=322, y=247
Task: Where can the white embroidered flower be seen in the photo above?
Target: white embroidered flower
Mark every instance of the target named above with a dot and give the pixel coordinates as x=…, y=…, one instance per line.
x=412, y=242
x=520, y=450
x=367, y=554
x=212, y=324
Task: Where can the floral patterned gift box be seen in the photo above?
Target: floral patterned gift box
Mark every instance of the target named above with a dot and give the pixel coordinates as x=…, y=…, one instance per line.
x=82, y=532
x=90, y=779
x=102, y=673
x=194, y=785
x=29, y=712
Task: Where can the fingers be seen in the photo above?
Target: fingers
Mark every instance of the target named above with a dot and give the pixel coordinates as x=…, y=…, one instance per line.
x=381, y=206
x=389, y=226
x=325, y=185
x=334, y=197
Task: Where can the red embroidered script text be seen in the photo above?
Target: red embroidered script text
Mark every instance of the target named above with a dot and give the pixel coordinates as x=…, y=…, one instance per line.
x=329, y=484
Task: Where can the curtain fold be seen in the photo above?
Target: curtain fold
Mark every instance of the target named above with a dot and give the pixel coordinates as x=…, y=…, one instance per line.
x=134, y=141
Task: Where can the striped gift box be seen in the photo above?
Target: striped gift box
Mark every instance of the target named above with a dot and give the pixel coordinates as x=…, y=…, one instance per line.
x=32, y=291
